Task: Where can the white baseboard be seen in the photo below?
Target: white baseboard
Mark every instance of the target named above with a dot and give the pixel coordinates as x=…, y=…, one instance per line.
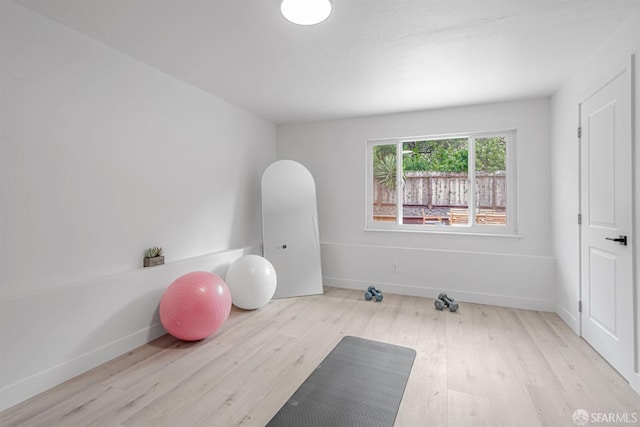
x=459, y=295
x=510, y=280
x=41, y=381
x=572, y=321
x=634, y=382
x=52, y=336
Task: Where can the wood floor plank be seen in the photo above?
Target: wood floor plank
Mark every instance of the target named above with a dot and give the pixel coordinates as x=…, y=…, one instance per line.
x=425, y=401
x=552, y=406
x=144, y=388
x=51, y=399
x=578, y=367
x=293, y=363
x=193, y=386
x=481, y=365
x=232, y=393
x=467, y=410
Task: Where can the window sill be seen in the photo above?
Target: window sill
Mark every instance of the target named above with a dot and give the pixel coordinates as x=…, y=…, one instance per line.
x=458, y=232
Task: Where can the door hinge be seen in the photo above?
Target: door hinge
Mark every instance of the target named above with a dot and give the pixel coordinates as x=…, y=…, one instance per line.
x=579, y=132
x=579, y=219
x=580, y=306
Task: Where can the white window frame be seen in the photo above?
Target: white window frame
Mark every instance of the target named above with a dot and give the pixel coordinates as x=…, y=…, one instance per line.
x=510, y=229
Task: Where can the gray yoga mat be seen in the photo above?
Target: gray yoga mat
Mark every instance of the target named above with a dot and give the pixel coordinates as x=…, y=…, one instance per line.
x=360, y=383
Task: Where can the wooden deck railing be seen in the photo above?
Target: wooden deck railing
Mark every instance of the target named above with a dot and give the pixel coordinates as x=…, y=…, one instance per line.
x=455, y=216
x=483, y=216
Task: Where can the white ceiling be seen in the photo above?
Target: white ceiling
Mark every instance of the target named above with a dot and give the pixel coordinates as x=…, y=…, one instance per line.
x=369, y=57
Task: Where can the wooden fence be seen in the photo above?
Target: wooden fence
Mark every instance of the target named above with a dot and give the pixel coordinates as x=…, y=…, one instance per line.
x=446, y=189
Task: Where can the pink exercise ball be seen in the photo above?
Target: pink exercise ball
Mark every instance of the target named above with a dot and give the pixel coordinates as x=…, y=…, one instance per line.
x=195, y=305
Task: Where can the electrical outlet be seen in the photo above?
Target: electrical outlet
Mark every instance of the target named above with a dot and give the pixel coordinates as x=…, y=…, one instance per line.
x=394, y=267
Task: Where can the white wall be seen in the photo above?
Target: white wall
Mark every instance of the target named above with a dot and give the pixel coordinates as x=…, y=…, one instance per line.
x=636, y=217
x=512, y=271
x=609, y=59
x=102, y=156
x=612, y=57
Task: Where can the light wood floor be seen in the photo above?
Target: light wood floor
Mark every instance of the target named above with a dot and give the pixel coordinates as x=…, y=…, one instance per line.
x=480, y=366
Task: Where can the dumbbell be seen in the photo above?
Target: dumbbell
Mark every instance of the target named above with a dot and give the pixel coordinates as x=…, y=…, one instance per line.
x=450, y=302
x=373, y=293
x=444, y=301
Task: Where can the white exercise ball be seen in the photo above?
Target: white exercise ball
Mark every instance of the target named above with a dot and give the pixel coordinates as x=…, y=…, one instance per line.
x=252, y=281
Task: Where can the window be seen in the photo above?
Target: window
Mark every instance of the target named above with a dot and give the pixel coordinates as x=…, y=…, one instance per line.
x=459, y=183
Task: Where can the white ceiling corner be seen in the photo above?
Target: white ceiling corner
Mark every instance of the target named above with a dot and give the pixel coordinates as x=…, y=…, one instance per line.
x=369, y=57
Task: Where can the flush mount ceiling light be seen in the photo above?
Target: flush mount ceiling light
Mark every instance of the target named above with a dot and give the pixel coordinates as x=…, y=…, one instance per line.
x=306, y=12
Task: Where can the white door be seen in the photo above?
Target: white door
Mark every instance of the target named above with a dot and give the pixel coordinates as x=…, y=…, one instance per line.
x=606, y=203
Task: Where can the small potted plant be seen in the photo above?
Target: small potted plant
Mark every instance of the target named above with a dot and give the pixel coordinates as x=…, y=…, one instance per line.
x=153, y=256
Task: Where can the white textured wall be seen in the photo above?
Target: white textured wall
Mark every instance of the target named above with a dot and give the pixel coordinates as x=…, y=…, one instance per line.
x=612, y=57
x=515, y=271
x=102, y=156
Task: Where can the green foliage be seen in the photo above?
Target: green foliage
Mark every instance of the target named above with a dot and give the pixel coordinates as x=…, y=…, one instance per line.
x=441, y=155
x=381, y=151
x=491, y=154
x=452, y=155
x=384, y=170
x=153, y=252
x=444, y=155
